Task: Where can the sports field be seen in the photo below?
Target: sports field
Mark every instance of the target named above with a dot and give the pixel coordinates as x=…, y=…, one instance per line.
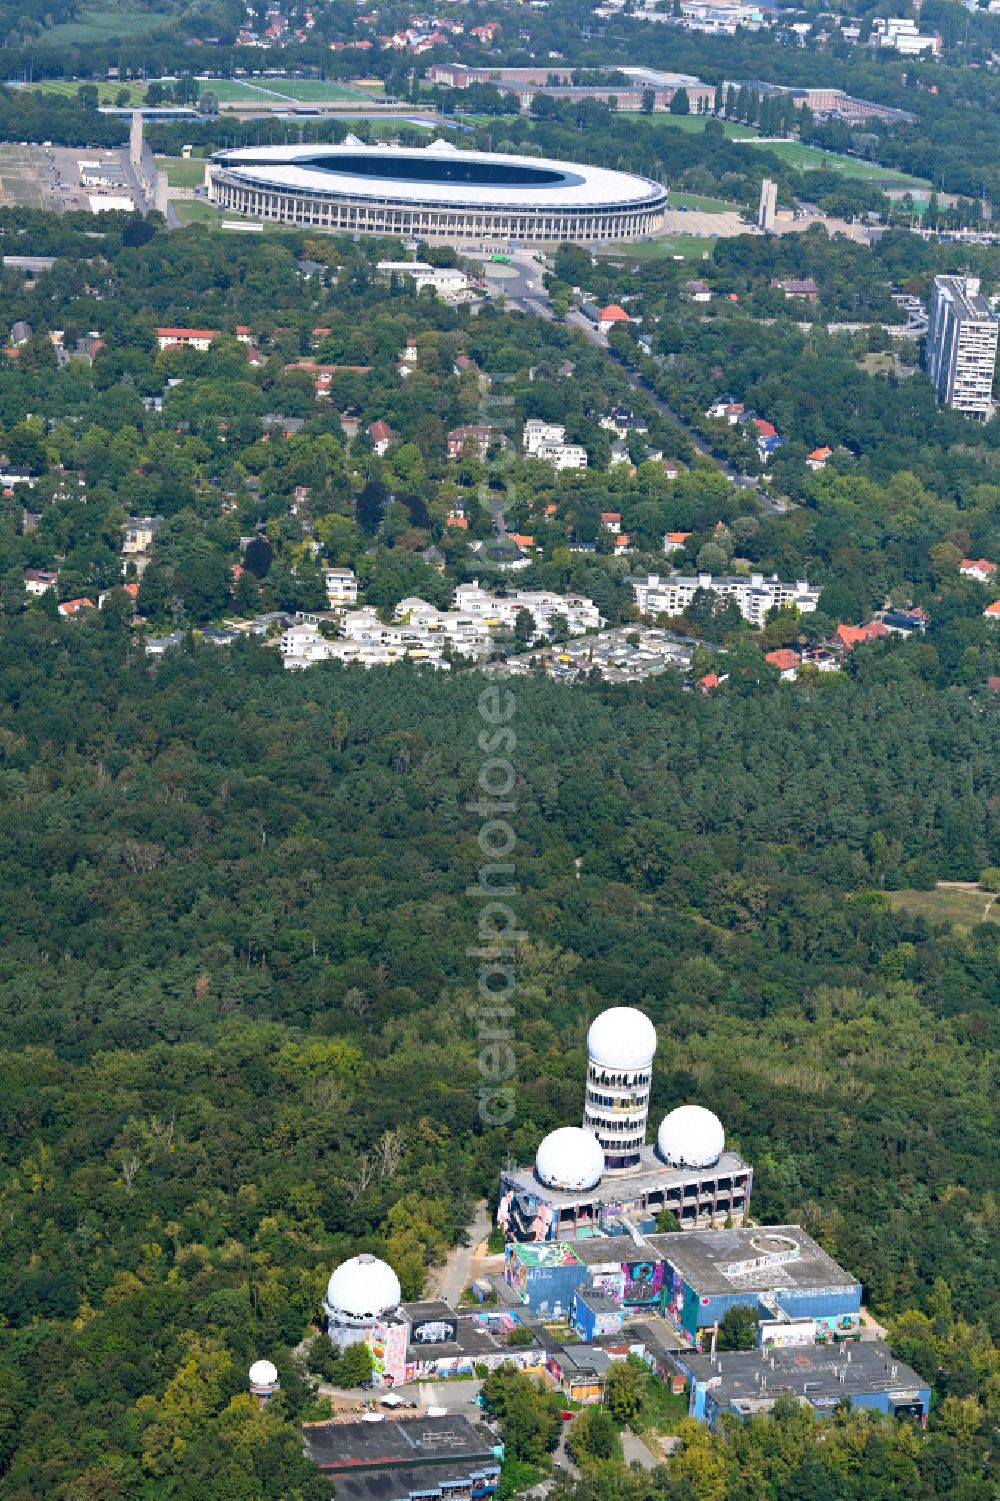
x=693, y=124
x=281, y=90
x=812, y=159
x=107, y=93
x=105, y=26
x=701, y=204
x=669, y=247
x=181, y=173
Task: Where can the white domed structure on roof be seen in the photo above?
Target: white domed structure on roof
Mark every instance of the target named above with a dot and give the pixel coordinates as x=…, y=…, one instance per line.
x=622, y=1038
x=362, y=1290
x=571, y=1159
x=263, y=1376
x=691, y=1136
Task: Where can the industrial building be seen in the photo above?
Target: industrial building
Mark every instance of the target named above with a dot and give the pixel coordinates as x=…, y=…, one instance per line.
x=961, y=349
x=799, y=1292
x=411, y=1459
x=748, y=1383
x=437, y=192
x=602, y=1177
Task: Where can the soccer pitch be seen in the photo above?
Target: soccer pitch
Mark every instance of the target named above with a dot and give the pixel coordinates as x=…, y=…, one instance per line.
x=280, y=90
x=813, y=159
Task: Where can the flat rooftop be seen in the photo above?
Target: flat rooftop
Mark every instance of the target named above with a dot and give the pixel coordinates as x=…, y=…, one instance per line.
x=396, y=1442
x=971, y=304
x=421, y=1313
x=751, y=1259
x=810, y=1372
x=400, y=1485
x=649, y=1176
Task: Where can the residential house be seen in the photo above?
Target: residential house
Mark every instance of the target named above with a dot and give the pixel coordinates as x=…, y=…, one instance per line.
x=786, y=661
x=382, y=437
x=186, y=338
x=817, y=459
x=724, y=409
x=794, y=286
x=38, y=581
x=847, y=637
x=20, y=333
x=611, y=317
x=140, y=533
x=70, y=608
x=341, y=586
x=992, y=612
x=903, y=622
x=698, y=291
x=547, y=441
x=474, y=438
x=980, y=569
x=675, y=541
x=611, y=521
x=155, y=646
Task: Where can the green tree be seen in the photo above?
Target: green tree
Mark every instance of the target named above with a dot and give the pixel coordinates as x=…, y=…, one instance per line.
x=738, y=1329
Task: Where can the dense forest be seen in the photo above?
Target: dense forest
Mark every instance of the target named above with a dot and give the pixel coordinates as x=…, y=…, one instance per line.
x=235, y=947
x=235, y=969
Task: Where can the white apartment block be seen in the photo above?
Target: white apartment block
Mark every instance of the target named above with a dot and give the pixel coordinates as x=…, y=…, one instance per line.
x=754, y=595
x=536, y=432
x=900, y=34
x=580, y=613
x=447, y=281
x=303, y=646
x=341, y=586
x=961, y=349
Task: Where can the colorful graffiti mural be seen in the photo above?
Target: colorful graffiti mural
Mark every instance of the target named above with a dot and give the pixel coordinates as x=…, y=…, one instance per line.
x=643, y=1283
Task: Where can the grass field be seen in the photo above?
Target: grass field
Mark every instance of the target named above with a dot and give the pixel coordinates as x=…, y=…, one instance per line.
x=706, y=205
x=181, y=173
x=694, y=124
x=811, y=158
x=689, y=246
x=105, y=26
x=292, y=90
x=197, y=211
x=107, y=93
x=948, y=904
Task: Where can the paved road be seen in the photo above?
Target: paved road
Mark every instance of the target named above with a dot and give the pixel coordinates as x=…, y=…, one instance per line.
x=521, y=282
x=636, y=381
x=637, y=1453
x=451, y=1280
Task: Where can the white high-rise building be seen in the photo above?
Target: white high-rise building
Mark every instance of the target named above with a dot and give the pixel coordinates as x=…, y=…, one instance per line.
x=961, y=349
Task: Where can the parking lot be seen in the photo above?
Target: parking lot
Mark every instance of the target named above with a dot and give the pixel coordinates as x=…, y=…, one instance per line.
x=48, y=177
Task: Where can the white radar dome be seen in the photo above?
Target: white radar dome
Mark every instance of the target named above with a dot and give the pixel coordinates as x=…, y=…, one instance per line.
x=571, y=1159
x=363, y=1288
x=690, y=1136
x=263, y=1373
x=622, y=1038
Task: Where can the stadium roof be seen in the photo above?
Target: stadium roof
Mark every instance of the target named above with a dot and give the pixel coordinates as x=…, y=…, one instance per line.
x=439, y=175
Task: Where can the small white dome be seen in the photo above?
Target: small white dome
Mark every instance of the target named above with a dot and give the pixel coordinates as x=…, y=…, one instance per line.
x=690, y=1136
x=570, y=1158
x=363, y=1288
x=622, y=1038
x=263, y=1373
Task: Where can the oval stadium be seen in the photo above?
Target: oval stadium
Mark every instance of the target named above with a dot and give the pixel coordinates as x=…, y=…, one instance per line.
x=435, y=192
